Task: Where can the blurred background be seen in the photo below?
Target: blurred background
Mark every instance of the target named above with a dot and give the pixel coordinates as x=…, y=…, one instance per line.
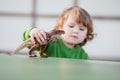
x=18, y=15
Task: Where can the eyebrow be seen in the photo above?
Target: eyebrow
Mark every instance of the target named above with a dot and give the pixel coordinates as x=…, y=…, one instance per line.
x=72, y=23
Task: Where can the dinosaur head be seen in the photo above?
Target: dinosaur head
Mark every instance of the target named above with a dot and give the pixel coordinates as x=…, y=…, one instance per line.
x=54, y=32
x=57, y=32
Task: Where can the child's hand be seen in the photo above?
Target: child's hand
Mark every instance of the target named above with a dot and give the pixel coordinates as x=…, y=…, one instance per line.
x=39, y=34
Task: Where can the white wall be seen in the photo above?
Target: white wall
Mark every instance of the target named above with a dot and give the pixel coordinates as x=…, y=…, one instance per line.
x=106, y=44
x=11, y=30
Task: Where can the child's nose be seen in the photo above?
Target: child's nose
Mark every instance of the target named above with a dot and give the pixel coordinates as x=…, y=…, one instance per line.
x=76, y=29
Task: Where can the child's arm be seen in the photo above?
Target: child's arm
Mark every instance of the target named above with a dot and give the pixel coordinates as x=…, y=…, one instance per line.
x=26, y=34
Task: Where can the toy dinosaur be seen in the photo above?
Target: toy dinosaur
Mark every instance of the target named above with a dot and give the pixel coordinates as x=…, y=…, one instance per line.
x=49, y=39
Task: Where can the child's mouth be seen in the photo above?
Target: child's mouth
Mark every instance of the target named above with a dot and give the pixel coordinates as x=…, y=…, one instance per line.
x=74, y=37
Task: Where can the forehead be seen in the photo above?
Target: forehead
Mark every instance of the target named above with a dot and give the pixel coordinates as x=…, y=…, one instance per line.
x=74, y=20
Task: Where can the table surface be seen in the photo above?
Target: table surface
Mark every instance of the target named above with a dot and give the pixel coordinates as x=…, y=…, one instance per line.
x=22, y=67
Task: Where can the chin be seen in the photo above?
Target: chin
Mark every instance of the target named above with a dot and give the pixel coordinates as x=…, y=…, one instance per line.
x=73, y=42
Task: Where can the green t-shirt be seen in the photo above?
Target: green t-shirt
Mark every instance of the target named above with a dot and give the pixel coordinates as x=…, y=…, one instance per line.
x=59, y=49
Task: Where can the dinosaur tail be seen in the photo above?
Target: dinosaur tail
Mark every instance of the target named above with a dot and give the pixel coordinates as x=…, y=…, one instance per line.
x=21, y=46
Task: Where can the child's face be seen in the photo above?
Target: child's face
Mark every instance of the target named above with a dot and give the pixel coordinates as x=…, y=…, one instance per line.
x=74, y=33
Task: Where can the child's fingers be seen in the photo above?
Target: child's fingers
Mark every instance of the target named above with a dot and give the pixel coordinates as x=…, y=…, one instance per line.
x=38, y=35
x=38, y=38
x=41, y=37
x=32, y=39
x=43, y=34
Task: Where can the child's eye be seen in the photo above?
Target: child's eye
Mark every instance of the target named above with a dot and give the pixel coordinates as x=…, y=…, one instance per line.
x=82, y=29
x=71, y=26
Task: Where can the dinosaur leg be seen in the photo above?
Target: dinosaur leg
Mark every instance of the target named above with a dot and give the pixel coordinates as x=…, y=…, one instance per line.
x=32, y=49
x=43, y=48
